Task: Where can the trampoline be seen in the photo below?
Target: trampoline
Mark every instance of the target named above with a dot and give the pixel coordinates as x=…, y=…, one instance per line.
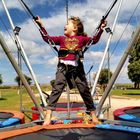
x=68, y=132
x=9, y=118
x=131, y=113
x=61, y=107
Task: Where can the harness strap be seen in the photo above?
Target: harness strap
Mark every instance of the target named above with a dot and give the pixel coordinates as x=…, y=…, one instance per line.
x=64, y=53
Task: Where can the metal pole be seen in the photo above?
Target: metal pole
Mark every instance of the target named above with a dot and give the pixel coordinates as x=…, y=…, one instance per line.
x=19, y=72
x=20, y=47
x=105, y=51
x=132, y=42
x=109, y=98
x=68, y=101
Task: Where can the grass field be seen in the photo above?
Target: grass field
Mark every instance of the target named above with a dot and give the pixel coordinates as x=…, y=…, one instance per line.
x=10, y=98
x=134, y=93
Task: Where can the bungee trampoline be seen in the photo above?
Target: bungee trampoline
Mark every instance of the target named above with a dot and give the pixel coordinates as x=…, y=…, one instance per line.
x=61, y=108
x=9, y=118
x=70, y=132
x=131, y=113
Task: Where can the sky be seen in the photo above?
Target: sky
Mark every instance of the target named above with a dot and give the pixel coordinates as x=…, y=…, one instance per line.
x=53, y=14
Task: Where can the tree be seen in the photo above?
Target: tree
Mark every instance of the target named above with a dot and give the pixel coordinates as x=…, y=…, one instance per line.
x=1, y=81
x=134, y=73
x=104, y=77
x=134, y=65
x=29, y=80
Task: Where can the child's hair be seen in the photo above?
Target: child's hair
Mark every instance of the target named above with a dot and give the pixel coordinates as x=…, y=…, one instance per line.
x=78, y=23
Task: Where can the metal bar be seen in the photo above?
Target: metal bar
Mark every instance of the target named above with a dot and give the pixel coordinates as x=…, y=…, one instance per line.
x=25, y=58
x=106, y=14
x=105, y=51
x=19, y=72
x=118, y=69
x=68, y=101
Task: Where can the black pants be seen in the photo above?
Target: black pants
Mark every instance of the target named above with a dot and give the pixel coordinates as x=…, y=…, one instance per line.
x=63, y=75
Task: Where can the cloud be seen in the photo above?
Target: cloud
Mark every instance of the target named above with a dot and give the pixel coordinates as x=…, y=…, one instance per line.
x=53, y=61
x=16, y=4
x=119, y=31
x=10, y=44
x=10, y=4
x=94, y=56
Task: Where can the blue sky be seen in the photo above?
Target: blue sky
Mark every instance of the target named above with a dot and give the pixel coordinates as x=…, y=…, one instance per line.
x=53, y=14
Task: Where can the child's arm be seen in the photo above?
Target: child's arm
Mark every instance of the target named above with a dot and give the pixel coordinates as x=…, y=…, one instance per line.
x=98, y=34
x=54, y=40
x=96, y=37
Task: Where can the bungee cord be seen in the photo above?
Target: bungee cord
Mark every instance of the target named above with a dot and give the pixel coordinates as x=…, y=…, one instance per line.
x=50, y=41
x=67, y=10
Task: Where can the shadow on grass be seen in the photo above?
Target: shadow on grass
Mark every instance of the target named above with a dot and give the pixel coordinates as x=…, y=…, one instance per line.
x=3, y=99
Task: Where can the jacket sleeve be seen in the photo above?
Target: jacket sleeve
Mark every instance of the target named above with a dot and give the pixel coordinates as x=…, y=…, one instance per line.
x=54, y=40
x=97, y=36
x=94, y=39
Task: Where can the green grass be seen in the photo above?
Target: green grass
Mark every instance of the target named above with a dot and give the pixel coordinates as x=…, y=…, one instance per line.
x=133, y=93
x=10, y=100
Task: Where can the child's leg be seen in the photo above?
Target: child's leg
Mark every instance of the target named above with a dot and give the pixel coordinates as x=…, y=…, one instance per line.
x=94, y=118
x=47, y=119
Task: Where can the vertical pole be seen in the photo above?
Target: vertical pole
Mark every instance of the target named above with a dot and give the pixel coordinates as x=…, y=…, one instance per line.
x=109, y=98
x=68, y=101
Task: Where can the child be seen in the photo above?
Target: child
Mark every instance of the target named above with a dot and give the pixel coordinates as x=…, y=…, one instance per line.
x=69, y=67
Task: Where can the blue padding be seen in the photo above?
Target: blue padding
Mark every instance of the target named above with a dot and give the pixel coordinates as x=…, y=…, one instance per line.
x=129, y=118
x=119, y=127
x=0, y=124
x=67, y=121
x=9, y=122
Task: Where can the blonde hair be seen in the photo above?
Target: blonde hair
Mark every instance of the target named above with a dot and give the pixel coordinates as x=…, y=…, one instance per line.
x=78, y=23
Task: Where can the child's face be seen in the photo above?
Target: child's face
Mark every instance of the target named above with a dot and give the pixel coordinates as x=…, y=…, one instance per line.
x=69, y=29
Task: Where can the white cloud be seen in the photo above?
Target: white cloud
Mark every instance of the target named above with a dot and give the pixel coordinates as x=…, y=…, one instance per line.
x=16, y=4
x=119, y=31
x=94, y=56
x=53, y=61
x=10, y=44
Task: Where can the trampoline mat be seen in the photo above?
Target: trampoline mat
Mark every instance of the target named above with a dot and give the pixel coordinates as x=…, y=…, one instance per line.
x=72, y=105
x=133, y=111
x=78, y=134
x=5, y=115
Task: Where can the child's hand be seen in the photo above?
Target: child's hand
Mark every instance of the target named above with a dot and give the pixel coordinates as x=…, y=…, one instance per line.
x=103, y=24
x=38, y=21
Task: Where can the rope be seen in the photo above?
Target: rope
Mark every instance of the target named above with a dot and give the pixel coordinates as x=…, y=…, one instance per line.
x=29, y=13
x=87, y=46
x=67, y=10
